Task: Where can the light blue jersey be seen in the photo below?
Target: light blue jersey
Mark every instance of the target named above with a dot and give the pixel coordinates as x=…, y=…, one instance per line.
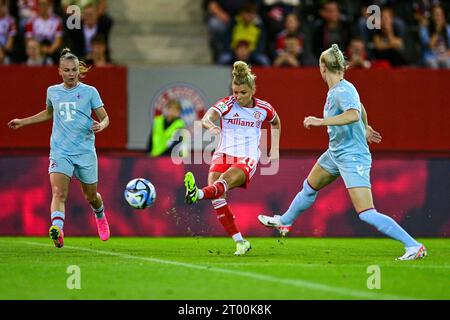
x=348, y=154
x=72, y=122
x=350, y=138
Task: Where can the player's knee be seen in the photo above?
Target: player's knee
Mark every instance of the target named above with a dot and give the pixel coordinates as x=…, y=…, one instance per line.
x=59, y=194
x=232, y=181
x=91, y=197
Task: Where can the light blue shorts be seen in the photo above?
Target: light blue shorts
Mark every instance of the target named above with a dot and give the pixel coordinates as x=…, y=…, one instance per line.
x=84, y=166
x=354, y=169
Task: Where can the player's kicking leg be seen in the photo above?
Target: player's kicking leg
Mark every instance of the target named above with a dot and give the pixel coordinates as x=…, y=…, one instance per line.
x=317, y=179
x=216, y=190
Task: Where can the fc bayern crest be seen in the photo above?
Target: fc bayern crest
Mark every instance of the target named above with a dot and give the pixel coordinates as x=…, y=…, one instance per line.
x=193, y=102
x=257, y=115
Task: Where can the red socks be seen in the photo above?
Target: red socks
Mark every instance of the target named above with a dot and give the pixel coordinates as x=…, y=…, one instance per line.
x=225, y=216
x=216, y=190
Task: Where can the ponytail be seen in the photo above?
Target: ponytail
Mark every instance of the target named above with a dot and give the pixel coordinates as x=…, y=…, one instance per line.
x=334, y=59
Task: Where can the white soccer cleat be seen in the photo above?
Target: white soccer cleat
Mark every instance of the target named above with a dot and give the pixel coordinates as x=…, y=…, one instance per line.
x=274, y=222
x=242, y=247
x=413, y=253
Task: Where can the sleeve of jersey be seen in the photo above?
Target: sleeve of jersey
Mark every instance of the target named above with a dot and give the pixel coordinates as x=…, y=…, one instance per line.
x=48, y=102
x=346, y=101
x=271, y=114
x=221, y=107
x=96, y=101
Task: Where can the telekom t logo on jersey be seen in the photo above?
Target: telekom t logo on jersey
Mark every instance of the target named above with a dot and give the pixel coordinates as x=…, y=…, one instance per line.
x=67, y=110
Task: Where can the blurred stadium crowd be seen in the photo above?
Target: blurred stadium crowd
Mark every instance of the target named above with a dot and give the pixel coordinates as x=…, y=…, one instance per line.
x=293, y=33
x=284, y=33
x=33, y=32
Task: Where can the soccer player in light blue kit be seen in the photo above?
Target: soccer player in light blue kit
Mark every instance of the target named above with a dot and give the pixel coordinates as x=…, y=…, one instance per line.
x=72, y=143
x=348, y=156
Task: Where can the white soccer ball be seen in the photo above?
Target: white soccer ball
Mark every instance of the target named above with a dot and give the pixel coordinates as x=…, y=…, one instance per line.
x=140, y=193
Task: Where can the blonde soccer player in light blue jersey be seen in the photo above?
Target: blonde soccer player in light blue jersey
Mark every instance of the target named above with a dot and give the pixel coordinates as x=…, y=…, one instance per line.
x=348, y=156
x=72, y=143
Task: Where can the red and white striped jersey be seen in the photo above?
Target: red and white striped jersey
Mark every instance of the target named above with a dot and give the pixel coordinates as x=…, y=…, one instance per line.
x=44, y=29
x=241, y=126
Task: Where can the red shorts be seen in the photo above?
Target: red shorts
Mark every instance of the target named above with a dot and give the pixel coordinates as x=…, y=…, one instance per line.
x=223, y=162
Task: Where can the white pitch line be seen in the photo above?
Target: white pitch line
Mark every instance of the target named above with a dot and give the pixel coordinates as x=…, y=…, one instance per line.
x=267, y=278
x=401, y=264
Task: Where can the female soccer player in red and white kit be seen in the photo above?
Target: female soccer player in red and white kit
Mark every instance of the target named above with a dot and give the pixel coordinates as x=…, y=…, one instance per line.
x=236, y=157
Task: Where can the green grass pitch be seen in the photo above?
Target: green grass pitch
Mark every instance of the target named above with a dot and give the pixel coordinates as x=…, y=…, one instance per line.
x=205, y=268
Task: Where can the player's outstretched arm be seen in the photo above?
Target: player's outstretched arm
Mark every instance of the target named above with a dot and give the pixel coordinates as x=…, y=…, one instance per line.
x=104, y=120
x=208, y=121
x=275, y=132
x=347, y=117
x=42, y=116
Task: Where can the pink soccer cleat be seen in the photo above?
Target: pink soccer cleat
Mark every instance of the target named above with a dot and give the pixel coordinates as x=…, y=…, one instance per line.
x=57, y=236
x=103, y=228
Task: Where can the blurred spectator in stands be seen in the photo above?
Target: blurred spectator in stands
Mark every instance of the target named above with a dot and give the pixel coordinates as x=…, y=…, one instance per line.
x=247, y=27
x=25, y=10
x=357, y=54
x=80, y=40
x=330, y=29
x=97, y=57
x=164, y=127
x=389, y=40
x=4, y=59
x=220, y=16
x=8, y=29
x=291, y=27
x=241, y=52
x=101, y=7
x=274, y=14
x=362, y=29
x=435, y=39
x=309, y=11
x=291, y=56
x=47, y=29
x=361, y=25
x=35, y=57
x=422, y=10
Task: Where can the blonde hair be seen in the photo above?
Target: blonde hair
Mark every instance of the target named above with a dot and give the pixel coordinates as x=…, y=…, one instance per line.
x=67, y=54
x=242, y=74
x=334, y=59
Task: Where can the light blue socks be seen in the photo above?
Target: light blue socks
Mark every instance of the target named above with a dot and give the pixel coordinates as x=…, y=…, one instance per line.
x=305, y=199
x=302, y=201
x=58, y=219
x=388, y=226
